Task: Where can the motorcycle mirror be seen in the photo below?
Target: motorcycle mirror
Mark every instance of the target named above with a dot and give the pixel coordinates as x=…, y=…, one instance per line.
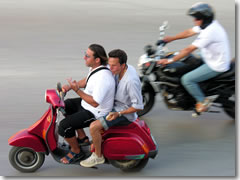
x=163, y=26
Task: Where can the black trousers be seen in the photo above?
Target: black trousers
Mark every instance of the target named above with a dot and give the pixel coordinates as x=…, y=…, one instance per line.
x=77, y=118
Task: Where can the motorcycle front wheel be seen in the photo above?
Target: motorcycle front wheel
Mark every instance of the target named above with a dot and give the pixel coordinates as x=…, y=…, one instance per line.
x=148, y=94
x=26, y=159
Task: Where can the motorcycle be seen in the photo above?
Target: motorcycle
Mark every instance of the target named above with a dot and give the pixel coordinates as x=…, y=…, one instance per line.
x=126, y=147
x=167, y=81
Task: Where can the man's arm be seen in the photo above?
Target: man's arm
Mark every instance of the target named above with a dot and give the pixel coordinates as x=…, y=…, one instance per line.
x=185, y=34
x=89, y=99
x=114, y=115
x=135, y=95
x=186, y=51
x=81, y=84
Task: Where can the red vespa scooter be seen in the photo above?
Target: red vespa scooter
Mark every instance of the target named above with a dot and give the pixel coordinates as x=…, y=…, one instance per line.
x=126, y=147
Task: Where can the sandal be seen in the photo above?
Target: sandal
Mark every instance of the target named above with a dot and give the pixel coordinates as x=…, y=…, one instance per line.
x=73, y=158
x=82, y=142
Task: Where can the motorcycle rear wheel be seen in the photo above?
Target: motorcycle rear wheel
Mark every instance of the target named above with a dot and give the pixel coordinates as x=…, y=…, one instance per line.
x=130, y=165
x=230, y=108
x=26, y=159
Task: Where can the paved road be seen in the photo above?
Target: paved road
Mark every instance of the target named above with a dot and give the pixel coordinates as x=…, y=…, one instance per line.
x=43, y=42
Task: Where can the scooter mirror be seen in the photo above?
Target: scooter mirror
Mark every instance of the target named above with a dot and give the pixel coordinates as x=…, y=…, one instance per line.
x=59, y=87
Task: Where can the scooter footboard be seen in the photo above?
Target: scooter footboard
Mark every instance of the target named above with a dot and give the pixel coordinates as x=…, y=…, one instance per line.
x=123, y=148
x=24, y=139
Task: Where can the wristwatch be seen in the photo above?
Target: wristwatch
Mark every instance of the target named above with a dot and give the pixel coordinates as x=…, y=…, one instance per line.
x=119, y=114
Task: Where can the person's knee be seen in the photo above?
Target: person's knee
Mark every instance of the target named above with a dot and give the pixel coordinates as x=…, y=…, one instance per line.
x=186, y=80
x=65, y=131
x=183, y=80
x=95, y=126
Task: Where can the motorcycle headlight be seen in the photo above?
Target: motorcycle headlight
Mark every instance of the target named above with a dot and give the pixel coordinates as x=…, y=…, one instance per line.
x=144, y=59
x=152, y=77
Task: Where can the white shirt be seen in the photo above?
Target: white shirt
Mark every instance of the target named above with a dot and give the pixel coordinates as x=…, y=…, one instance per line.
x=214, y=45
x=129, y=93
x=101, y=86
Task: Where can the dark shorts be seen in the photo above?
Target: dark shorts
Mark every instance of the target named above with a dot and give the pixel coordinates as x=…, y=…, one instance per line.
x=119, y=121
x=77, y=118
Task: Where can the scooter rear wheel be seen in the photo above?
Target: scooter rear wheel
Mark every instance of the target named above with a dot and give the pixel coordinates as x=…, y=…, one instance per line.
x=130, y=165
x=26, y=159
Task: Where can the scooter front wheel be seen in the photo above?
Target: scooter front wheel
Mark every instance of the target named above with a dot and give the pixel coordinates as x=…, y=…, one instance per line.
x=26, y=159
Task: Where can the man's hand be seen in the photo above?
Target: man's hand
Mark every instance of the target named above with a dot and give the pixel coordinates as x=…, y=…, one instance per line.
x=163, y=61
x=73, y=84
x=66, y=88
x=168, y=39
x=112, y=115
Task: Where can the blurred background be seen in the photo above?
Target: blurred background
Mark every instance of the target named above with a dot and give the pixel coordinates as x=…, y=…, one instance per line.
x=43, y=42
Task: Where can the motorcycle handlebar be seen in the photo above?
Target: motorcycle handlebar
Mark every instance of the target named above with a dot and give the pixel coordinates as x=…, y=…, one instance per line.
x=161, y=42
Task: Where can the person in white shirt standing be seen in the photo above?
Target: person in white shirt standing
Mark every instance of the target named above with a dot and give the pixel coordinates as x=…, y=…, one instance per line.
x=95, y=100
x=215, y=50
x=128, y=100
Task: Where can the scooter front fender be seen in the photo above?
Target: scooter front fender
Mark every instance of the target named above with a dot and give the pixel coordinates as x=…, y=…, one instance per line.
x=24, y=139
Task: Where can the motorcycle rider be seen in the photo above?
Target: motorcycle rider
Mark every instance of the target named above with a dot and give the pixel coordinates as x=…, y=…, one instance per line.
x=128, y=100
x=95, y=101
x=213, y=43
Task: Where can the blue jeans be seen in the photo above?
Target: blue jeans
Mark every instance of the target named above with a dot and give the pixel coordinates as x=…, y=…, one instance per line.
x=191, y=79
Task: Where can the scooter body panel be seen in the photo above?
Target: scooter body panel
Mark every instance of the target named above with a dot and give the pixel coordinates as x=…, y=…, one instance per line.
x=52, y=97
x=24, y=139
x=129, y=142
x=120, y=148
x=40, y=128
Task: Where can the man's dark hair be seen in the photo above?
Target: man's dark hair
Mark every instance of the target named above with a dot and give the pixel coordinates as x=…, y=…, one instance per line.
x=99, y=52
x=120, y=54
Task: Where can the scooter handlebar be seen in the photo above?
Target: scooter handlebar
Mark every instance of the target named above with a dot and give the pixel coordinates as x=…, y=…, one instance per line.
x=62, y=95
x=59, y=89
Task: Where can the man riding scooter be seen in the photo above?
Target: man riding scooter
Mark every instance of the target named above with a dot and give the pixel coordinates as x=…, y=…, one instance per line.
x=128, y=100
x=127, y=147
x=95, y=101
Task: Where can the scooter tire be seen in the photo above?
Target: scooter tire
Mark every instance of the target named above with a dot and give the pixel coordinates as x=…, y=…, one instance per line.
x=134, y=165
x=26, y=159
